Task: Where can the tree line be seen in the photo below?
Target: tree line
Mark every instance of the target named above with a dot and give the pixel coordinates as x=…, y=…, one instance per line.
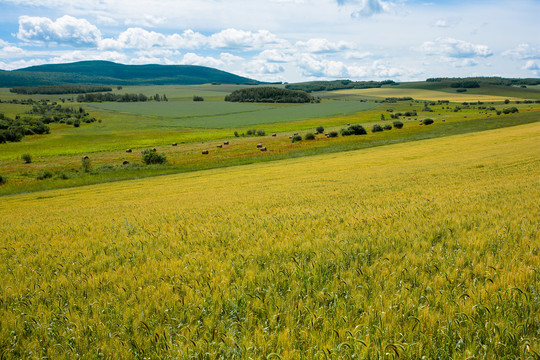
x=59, y=89
x=110, y=97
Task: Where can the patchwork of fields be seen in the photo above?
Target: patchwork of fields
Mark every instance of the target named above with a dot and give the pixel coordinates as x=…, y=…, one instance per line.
x=426, y=248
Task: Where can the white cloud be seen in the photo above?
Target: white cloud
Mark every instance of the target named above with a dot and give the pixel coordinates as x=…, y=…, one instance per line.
x=66, y=30
x=106, y=20
x=523, y=52
x=194, y=59
x=243, y=40
x=320, y=67
x=275, y=56
x=532, y=65
x=319, y=46
x=358, y=55
x=229, y=59
x=453, y=48
x=441, y=23
x=147, y=21
x=372, y=7
x=10, y=51
x=260, y=67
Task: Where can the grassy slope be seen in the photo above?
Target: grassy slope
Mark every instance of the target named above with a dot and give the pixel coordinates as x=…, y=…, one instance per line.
x=417, y=249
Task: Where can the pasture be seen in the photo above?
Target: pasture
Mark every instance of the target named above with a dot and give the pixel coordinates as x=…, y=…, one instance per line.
x=219, y=115
x=420, y=249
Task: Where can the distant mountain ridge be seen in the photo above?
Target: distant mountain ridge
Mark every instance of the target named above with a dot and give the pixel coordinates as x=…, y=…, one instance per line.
x=110, y=73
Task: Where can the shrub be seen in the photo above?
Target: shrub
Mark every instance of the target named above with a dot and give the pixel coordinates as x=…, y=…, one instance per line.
x=44, y=175
x=309, y=136
x=398, y=124
x=376, y=128
x=261, y=132
x=86, y=163
x=27, y=158
x=198, y=98
x=77, y=123
x=3, y=180
x=357, y=130
x=150, y=156
x=332, y=134
x=510, y=110
x=427, y=121
x=236, y=134
x=387, y=127
x=320, y=129
x=296, y=138
x=63, y=176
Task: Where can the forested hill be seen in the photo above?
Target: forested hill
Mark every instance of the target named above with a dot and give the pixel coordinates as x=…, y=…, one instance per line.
x=106, y=72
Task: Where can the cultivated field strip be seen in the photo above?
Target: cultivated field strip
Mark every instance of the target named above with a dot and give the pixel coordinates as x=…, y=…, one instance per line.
x=417, y=249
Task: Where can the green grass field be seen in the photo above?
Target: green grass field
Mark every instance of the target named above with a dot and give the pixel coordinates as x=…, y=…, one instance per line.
x=219, y=115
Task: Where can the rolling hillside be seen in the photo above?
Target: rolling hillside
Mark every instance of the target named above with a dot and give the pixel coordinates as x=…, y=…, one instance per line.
x=105, y=72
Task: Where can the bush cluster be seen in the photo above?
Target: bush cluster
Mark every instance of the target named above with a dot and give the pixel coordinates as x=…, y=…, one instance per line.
x=376, y=128
x=309, y=136
x=397, y=124
x=151, y=156
x=354, y=130
x=296, y=138
x=427, y=121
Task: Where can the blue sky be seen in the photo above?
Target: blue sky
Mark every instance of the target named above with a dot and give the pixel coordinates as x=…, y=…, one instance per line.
x=281, y=40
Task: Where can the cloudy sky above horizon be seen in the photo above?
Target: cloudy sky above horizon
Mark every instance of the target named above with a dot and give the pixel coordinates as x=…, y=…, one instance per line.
x=281, y=40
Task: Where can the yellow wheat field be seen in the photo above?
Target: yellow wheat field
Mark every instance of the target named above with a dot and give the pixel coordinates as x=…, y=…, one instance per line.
x=422, y=94
x=417, y=249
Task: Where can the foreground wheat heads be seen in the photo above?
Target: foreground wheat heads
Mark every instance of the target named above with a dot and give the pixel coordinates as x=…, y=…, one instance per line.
x=418, y=249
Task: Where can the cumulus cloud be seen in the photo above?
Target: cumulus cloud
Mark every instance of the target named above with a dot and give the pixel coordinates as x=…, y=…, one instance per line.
x=319, y=46
x=194, y=59
x=243, y=40
x=66, y=30
x=10, y=51
x=367, y=8
x=452, y=48
x=275, y=56
x=260, y=67
x=534, y=66
x=358, y=55
x=147, y=21
x=523, y=52
x=321, y=67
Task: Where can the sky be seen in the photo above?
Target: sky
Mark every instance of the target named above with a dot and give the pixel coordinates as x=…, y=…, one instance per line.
x=282, y=40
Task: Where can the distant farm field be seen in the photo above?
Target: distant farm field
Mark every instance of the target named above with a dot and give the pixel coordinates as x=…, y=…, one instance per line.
x=421, y=94
x=220, y=114
x=427, y=249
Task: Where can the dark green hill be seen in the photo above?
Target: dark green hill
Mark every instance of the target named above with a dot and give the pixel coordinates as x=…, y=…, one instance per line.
x=105, y=72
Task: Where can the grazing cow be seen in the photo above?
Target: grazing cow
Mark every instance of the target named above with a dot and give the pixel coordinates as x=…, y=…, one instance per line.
x=226, y=143
x=205, y=152
x=125, y=162
x=85, y=157
x=128, y=150
x=263, y=148
x=154, y=149
x=259, y=146
x=174, y=144
x=220, y=146
x=274, y=134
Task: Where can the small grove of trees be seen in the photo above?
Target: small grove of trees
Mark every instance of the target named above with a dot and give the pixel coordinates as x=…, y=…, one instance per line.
x=251, y=132
x=511, y=110
x=198, y=98
x=270, y=95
